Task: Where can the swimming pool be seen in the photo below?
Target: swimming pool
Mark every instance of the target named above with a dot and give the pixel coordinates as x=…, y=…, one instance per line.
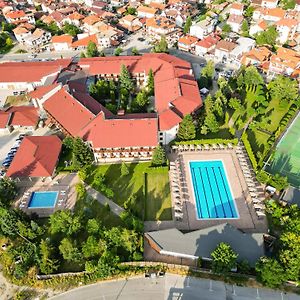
x=212, y=192
x=43, y=199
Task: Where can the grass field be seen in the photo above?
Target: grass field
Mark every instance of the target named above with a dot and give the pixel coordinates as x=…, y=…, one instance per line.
x=286, y=161
x=158, y=198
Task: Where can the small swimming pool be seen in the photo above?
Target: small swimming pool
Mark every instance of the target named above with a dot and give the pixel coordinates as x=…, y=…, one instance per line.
x=212, y=191
x=43, y=200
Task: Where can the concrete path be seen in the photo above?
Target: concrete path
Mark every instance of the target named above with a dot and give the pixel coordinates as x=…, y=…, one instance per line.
x=115, y=208
x=170, y=287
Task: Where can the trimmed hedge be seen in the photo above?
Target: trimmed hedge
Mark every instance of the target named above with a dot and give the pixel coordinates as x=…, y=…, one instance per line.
x=249, y=150
x=208, y=142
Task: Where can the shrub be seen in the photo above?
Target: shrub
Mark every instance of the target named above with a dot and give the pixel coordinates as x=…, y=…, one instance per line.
x=208, y=142
x=249, y=150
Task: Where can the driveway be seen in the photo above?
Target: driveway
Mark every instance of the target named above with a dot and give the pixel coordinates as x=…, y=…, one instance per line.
x=170, y=287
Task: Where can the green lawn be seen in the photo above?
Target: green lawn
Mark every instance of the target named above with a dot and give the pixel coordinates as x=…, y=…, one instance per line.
x=134, y=184
x=158, y=201
x=258, y=140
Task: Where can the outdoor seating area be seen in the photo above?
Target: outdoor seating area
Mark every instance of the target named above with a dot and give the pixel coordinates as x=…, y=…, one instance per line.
x=257, y=196
x=177, y=185
x=204, y=147
x=128, y=153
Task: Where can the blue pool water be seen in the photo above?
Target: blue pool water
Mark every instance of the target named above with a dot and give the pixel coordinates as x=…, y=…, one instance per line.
x=43, y=199
x=212, y=191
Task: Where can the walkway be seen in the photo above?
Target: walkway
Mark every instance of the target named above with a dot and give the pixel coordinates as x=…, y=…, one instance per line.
x=115, y=208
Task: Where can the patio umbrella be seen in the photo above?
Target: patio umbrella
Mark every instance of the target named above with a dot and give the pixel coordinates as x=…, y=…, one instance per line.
x=186, y=147
x=206, y=147
x=199, y=147
x=229, y=146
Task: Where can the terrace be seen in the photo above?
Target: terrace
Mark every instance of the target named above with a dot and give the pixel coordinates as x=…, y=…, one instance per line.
x=63, y=184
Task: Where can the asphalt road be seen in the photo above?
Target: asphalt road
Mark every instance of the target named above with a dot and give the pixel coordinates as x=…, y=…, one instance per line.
x=170, y=287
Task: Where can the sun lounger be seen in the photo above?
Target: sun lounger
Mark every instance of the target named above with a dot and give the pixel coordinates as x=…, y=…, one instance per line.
x=260, y=214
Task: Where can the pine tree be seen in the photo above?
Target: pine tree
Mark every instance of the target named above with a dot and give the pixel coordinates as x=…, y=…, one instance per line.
x=187, y=130
x=159, y=157
x=142, y=99
x=150, y=83
x=92, y=50
x=125, y=79
x=187, y=25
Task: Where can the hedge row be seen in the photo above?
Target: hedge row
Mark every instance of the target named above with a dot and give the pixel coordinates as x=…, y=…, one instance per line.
x=249, y=150
x=208, y=142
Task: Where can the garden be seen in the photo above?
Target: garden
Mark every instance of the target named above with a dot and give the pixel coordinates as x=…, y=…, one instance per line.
x=124, y=94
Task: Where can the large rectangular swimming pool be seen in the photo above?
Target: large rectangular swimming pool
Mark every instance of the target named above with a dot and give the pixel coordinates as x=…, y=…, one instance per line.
x=212, y=192
x=43, y=200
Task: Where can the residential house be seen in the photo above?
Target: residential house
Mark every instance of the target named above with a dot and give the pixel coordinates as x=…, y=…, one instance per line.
x=268, y=14
x=286, y=29
x=22, y=32
x=203, y=28
x=235, y=22
x=187, y=43
x=62, y=42
x=236, y=9
x=74, y=19
x=130, y=23
x=258, y=27
x=155, y=1
x=285, y=61
x=146, y=12
x=207, y=45
x=223, y=49
x=269, y=3
x=38, y=39
x=89, y=22
x=158, y=26
x=256, y=56
x=244, y=45
x=19, y=16
x=82, y=43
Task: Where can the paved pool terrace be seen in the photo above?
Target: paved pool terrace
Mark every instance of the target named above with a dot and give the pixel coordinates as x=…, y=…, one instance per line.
x=247, y=219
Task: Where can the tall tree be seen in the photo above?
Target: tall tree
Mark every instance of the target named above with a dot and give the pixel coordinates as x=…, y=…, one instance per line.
x=267, y=37
x=142, y=99
x=159, y=156
x=150, y=83
x=187, y=129
x=124, y=169
x=92, y=50
x=252, y=76
x=161, y=46
x=47, y=264
x=187, y=25
x=82, y=154
x=207, y=73
x=69, y=251
x=245, y=28
x=125, y=79
x=223, y=259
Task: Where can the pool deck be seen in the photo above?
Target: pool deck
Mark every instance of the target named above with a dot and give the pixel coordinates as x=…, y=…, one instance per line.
x=64, y=184
x=247, y=221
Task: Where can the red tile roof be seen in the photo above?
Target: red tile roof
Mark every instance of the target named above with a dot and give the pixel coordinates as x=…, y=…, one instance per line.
x=65, y=38
x=23, y=115
x=68, y=111
x=111, y=133
x=85, y=41
x=40, y=91
x=30, y=71
x=36, y=157
x=4, y=119
x=15, y=14
x=168, y=119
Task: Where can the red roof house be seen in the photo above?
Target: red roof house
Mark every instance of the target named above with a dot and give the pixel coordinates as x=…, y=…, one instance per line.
x=36, y=157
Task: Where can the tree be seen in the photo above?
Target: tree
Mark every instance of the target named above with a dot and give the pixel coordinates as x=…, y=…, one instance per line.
x=288, y=4
x=92, y=50
x=135, y=51
x=235, y=104
x=267, y=37
x=245, y=28
x=69, y=251
x=118, y=51
x=91, y=247
x=64, y=221
x=252, y=76
x=159, y=156
x=283, y=89
x=161, y=46
x=226, y=28
x=71, y=29
x=9, y=42
x=142, y=99
x=131, y=10
x=270, y=272
x=211, y=123
x=125, y=79
x=187, y=129
x=93, y=226
x=47, y=264
x=82, y=154
x=8, y=191
x=207, y=73
x=249, y=11
x=187, y=25
x=150, y=83
x=82, y=55
x=124, y=169
x=223, y=259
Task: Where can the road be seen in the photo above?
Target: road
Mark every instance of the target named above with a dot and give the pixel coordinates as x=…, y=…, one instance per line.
x=170, y=287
